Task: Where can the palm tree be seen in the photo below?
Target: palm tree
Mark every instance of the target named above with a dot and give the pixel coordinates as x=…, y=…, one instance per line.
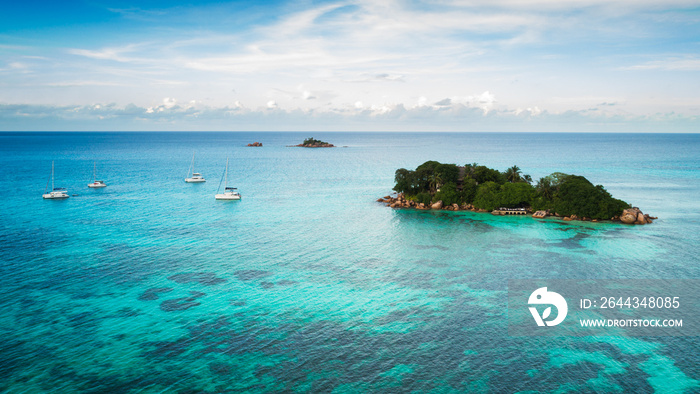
x=435, y=182
x=470, y=168
x=545, y=187
x=513, y=174
x=528, y=179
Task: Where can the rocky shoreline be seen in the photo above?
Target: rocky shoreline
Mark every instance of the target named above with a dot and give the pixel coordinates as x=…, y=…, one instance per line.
x=629, y=216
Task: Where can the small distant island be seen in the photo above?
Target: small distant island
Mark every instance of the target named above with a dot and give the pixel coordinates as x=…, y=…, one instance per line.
x=473, y=187
x=314, y=143
x=256, y=144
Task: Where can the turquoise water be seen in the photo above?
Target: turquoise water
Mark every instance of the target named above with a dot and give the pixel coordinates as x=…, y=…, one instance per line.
x=308, y=284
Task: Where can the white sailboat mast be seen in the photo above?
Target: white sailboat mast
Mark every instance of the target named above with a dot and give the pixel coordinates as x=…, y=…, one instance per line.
x=226, y=176
x=193, y=163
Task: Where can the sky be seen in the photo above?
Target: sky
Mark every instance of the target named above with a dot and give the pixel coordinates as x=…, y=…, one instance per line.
x=374, y=65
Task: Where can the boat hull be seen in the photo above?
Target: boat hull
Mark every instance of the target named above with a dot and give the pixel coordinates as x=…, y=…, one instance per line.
x=227, y=197
x=96, y=186
x=194, y=180
x=55, y=196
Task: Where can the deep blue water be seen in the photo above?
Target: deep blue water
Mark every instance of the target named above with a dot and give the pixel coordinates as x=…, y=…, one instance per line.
x=308, y=284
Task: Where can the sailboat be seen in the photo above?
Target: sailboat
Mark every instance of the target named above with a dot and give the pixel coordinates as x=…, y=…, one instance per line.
x=95, y=183
x=56, y=193
x=196, y=177
x=230, y=193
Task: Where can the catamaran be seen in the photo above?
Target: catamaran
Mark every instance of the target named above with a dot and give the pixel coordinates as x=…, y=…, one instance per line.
x=95, y=183
x=230, y=193
x=56, y=193
x=196, y=177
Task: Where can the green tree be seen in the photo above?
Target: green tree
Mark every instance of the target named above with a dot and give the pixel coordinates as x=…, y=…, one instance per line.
x=516, y=195
x=488, y=188
x=447, y=172
x=435, y=182
x=487, y=196
x=424, y=198
x=448, y=194
x=469, y=188
x=513, y=174
x=469, y=169
x=558, y=178
x=578, y=196
x=404, y=180
x=423, y=176
x=428, y=166
x=545, y=188
x=548, y=186
x=483, y=174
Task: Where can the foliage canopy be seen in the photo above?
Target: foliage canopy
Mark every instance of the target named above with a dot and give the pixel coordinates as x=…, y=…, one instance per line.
x=487, y=188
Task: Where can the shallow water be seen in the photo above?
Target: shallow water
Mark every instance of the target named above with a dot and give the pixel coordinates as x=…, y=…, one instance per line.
x=307, y=283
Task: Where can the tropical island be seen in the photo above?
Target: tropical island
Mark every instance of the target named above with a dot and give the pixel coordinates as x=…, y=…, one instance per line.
x=314, y=143
x=434, y=185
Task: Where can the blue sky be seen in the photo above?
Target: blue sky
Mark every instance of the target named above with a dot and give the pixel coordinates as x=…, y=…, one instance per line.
x=499, y=65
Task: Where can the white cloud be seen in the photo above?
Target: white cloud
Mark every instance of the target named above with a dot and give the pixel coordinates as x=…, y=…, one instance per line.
x=458, y=117
x=631, y=5
x=486, y=98
x=80, y=83
x=18, y=66
x=485, y=101
x=386, y=57
x=444, y=103
x=305, y=94
x=382, y=77
x=381, y=109
x=116, y=54
x=672, y=64
x=534, y=111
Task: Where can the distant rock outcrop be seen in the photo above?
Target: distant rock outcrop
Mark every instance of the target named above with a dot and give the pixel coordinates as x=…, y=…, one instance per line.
x=256, y=144
x=314, y=143
x=635, y=216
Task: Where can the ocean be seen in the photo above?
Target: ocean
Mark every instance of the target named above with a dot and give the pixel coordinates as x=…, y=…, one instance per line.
x=308, y=283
